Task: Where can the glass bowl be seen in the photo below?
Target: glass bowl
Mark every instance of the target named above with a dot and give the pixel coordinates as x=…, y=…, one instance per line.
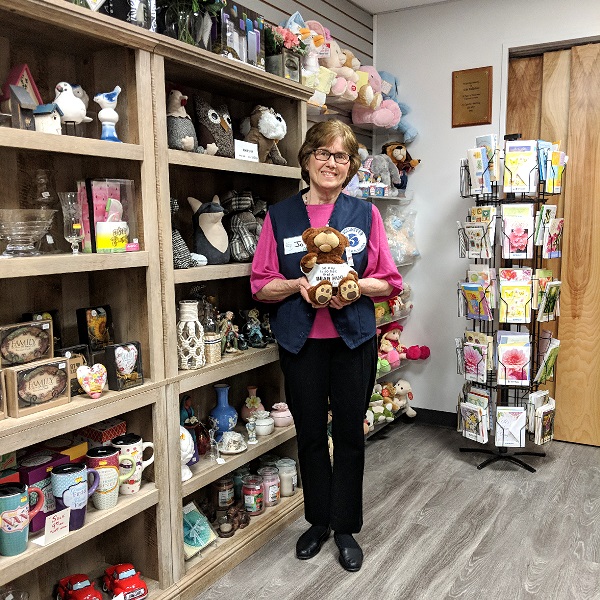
x=22, y=228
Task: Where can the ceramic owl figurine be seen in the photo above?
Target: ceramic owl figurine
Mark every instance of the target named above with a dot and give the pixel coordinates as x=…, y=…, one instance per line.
x=210, y=237
x=214, y=128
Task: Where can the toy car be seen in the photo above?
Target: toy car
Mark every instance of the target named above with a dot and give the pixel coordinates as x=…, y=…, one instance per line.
x=77, y=587
x=123, y=578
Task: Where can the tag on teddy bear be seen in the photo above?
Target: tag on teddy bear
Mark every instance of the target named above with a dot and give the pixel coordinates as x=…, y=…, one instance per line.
x=327, y=272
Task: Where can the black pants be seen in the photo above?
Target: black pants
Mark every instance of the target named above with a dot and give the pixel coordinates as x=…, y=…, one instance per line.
x=326, y=369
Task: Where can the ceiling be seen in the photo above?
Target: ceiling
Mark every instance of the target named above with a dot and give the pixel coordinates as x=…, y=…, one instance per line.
x=375, y=7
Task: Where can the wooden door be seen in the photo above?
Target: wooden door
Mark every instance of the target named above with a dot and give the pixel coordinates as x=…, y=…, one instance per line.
x=556, y=96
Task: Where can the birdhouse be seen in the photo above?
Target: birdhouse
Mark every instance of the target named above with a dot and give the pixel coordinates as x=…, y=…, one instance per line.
x=47, y=118
x=19, y=75
x=22, y=107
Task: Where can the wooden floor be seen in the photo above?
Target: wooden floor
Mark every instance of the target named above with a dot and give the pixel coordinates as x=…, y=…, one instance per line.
x=437, y=528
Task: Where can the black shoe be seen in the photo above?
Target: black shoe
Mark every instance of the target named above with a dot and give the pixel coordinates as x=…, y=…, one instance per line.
x=310, y=542
x=351, y=554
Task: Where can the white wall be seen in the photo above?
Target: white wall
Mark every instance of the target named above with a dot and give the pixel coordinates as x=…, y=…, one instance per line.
x=433, y=41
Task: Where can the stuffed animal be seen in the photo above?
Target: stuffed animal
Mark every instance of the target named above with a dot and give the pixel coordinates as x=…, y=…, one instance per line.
x=384, y=113
x=351, y=60
x=392, y=333
x=210, y=237
x=214, y=128
x=400, y=156
x=381, y=409
x=325, y=269
x=388, y=352
x=383, y=168
x=266, y=129
x=181, y=134
x=369, y=87
x=387, y=390
x=403, y=392
x=242, y=226
x=182, y=257
x=409, y=133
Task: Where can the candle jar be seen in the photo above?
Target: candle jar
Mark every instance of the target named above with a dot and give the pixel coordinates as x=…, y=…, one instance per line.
x=252, y=490
x=237, y=481
x=223, y=492
x=288, y=476
x=268, y=460
x=270, y=477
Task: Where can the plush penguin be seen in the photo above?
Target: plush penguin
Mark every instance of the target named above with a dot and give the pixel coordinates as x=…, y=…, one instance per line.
x=73, y=108
x=181, y=134
x=210, y=237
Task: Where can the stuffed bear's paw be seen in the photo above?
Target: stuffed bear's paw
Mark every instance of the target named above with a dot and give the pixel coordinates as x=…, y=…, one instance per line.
x=308, y=262
x=348, y=289
x=322, y=293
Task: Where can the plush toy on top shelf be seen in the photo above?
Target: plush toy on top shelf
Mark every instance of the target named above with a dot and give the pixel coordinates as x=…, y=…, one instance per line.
x=400, y=156
x=267, y=127
x=181, y=134
x=408, y=131
x=214, y=128
x=385, y=113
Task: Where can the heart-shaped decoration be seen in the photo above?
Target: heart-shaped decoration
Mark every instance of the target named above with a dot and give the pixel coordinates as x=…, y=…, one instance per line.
x=126, y=358
x=92, y=379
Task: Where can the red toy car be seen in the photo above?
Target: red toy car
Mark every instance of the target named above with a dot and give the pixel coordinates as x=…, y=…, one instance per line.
x=124, y=579
x=77, y=587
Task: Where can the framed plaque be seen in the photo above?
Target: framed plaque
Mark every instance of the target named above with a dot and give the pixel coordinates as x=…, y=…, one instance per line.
x=472, y=97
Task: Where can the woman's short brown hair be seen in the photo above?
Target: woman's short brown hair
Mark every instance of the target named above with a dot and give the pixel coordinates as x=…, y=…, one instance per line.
x=324, y=134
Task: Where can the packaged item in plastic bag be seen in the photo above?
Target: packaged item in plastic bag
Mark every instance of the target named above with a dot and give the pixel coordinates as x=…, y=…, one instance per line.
x=399, y=223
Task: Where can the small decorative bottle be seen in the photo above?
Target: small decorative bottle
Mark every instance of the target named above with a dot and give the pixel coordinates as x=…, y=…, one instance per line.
x=251, y=404
x=190, y=336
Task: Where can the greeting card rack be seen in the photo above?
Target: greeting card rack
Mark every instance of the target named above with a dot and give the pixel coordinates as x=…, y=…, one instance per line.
x=494, y=376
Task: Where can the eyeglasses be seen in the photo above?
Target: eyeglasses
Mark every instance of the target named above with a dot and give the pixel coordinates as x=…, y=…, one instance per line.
x=322, y=155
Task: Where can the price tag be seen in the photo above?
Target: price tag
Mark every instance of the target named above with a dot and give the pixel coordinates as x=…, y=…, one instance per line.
x=246, y=151
x=57, y=526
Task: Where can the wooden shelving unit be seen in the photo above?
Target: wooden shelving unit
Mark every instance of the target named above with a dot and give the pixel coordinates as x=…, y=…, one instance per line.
x=64, y=42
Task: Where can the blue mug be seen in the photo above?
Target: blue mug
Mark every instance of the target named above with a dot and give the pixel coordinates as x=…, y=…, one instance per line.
x=15, y=515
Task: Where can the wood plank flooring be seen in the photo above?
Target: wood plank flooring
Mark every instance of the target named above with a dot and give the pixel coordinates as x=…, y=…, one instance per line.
x=437, y=528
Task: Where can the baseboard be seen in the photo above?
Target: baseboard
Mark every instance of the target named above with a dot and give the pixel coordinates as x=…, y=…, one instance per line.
x=432, y=417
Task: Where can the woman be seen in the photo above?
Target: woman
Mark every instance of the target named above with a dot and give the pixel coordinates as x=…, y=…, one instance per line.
x=328, y=353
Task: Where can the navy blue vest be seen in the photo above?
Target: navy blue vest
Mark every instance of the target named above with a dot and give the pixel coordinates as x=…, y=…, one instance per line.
x=292, y=318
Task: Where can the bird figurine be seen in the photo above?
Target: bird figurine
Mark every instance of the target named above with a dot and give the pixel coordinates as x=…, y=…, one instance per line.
x=181, y=134
x=108, y=115
x=72, y=107
x=80, y=93
x=214, y=128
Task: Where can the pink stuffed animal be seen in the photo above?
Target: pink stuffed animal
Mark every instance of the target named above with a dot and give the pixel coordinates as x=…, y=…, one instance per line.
x=386, y=114
x=392, y=332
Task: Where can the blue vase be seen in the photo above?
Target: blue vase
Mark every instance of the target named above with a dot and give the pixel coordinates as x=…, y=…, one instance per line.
x=222, y=417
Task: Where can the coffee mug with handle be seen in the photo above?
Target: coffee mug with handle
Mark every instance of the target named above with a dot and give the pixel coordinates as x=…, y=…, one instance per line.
x=15, y=515
x=132, y=443
x=106, y=460
x=70, y=489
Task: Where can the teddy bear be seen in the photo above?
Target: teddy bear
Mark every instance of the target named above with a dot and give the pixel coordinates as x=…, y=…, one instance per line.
x=403, y=391
x=181, y=134
x=400, y=156
x=324, y=267
x=390, y=92
x=388, y=391
x=267, y=127
x=392, y=333
x=379, y=112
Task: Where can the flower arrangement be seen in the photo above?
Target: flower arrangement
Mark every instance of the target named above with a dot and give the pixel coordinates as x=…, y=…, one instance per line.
x=279, y=38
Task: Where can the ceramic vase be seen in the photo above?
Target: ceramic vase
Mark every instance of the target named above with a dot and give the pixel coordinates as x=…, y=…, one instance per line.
x=223, y=417
x=190, y=336
x=248, y=411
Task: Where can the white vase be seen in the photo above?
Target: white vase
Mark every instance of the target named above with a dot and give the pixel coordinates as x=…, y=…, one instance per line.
x=190, y=336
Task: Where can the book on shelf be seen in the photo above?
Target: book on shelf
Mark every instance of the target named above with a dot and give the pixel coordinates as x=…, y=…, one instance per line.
x=476, y=301
x=544, y=422
x=542, y=221
x=510, y=426
x=489, y=141
x=548, y=362
x=520, y=166
x=478, y=337
x=481, y=397
x=552, y=238
x=555, y=167
x=478, y=171
x=475, y=360
x=548, y=308
x=541, y=278
x=535, y=400
x=478, y=245
x=473, y=422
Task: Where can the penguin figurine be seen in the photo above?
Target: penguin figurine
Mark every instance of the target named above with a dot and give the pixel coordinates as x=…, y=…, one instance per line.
x=72, y=107
x=108, y=115
x=210, y=237
x=181, y=134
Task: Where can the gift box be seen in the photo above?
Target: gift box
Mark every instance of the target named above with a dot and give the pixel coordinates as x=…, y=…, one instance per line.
x=34, y=470
x=37, y=386
x=100, y=434
x=43, y=315
x=67, y=445
x=8, y=461
x=95, y=327
x=22, y=343
x=78, y=355
x=123, y=364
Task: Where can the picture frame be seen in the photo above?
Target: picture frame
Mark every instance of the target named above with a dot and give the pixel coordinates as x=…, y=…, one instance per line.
x=472, y=97
x=124, y=366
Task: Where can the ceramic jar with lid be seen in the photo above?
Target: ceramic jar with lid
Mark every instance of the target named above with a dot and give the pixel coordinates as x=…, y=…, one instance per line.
x=264, y=426
x=253, y=494
x=281, y=415
x=288, y=476
x=270, y=477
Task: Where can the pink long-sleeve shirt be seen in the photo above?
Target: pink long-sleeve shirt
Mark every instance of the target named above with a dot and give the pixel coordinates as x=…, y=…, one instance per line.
x=380, y=265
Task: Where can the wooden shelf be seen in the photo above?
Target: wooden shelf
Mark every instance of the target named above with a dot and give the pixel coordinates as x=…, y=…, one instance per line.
x=206, y=471
x=54, y=264
x=229, y=366
x=80, y=412
x=222, y=163
x=388, y=373
x=68, y=144
x=212, y=272
x=213, y=562
x=96, y=522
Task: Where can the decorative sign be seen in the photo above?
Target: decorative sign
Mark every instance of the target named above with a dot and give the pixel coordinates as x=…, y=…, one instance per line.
x=56, y=527
x=246, y=151
x=472, y=97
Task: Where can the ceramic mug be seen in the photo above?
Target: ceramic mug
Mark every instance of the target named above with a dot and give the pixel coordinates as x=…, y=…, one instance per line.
x=106, y=460
x=132, y=444
x=15, y=515
x=70, y=489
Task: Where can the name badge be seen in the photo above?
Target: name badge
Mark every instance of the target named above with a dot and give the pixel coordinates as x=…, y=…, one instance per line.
x=293, y=245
